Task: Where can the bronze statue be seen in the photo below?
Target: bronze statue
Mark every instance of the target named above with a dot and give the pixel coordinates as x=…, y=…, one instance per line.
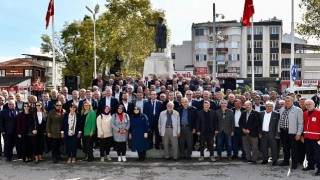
x=160, y=38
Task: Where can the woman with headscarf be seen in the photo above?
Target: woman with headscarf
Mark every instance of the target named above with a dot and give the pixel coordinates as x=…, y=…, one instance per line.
x=71, y=131
x=120, y=126
x=105, y=133
x=139, y=133
x=54, y=126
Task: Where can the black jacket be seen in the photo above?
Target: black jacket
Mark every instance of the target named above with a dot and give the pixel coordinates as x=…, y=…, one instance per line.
x=7, y=123
x=201, y=121
x=253, y=123
x=192, y=116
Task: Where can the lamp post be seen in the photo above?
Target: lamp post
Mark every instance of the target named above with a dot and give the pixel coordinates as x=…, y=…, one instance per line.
x=96, y=10
x=214, y=40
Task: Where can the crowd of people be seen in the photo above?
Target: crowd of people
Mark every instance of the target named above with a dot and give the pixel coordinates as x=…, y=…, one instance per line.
x=178, y=115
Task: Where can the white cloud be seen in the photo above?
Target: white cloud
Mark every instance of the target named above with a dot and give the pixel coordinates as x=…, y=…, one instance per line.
x=36, y=51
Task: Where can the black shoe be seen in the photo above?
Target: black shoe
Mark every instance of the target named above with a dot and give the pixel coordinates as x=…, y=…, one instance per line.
x=294, y=166
x=90, y=159
x=283, y=163
x=274, y=163
x=254, y=162
x=317, y=173
x=8, y=159
x=249, y=161
x=308, y=168
x=168, y=159
x=188, y=158
x=157, y=147
x=264, y=162
x=175, y=160
x=234, y=157
x=182, y=158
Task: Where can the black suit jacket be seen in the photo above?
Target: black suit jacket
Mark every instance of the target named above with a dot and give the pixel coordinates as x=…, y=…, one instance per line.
x=201, y=121
x=253, y=123
x=114, y=103
x=8, y=124
x=148, y=111
x=273, y=125
x=130, y=108
x=262, y=108
x=213, y=105
x=192, y=116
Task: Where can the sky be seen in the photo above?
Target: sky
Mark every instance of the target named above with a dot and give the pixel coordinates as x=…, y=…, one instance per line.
x=22, y=22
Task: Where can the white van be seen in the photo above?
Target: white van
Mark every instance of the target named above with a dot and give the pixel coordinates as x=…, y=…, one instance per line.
x=306, y=92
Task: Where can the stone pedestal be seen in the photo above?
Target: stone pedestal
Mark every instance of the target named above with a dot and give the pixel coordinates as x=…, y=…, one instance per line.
x=160, y=64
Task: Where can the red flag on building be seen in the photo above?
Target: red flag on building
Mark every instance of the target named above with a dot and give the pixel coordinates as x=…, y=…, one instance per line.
x=50, y=12
x=247, y=12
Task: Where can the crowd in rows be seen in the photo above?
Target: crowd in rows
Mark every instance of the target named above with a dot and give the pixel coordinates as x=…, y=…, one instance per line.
x=179, y=113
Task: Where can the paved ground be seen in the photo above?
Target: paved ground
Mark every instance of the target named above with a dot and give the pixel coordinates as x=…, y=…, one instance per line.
x=153, y=168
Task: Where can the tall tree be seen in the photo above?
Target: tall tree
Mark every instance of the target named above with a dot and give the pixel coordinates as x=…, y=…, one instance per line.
x=122, y=38
x=310, y=26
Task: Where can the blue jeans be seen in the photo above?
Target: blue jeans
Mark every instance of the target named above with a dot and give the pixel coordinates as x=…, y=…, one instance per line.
x=237, y=142
x=71, y=144
x=222, y=136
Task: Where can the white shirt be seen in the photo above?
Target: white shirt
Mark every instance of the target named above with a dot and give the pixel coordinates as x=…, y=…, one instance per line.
x=266, y=121
x=139, y=103
x=39, y=114
x=125, y=104
x=108, y=101
x=1, y=108
x=117, y=96
x=257, y=108
x=237, y=115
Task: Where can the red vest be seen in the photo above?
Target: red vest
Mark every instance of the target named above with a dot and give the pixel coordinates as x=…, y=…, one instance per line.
x=311, y=129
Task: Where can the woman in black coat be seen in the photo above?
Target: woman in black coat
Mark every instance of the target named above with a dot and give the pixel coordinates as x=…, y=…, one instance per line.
x=37, y=127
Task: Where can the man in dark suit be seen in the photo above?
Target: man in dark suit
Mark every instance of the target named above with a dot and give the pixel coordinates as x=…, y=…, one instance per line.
x=75, y=100
x=170, y=99
x=206, y=97
x=54, y=98
x=251, y=128
x=269, y=126
x=188, y=117
x=257, y=104
x=192, y=102
x=95, y=81
x=207, y=127
x=89, y=98
x=237, y=137
x=8, y=121
x=152, y=109
x=45, y=101
x=108, y=101
x=128, y=106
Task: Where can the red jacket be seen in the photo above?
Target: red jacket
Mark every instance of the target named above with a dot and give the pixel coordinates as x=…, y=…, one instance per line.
x=311, y=127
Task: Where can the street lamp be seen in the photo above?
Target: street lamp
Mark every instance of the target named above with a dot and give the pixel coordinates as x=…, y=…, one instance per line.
x=96, y=10
x=214, y=69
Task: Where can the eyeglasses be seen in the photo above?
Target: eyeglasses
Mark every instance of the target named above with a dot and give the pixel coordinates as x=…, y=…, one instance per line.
x=73, y=107
x=188, y=94
x=307, y=104
x=38, y=105
x=58, y=105
x=26, y=106
x=136, y=109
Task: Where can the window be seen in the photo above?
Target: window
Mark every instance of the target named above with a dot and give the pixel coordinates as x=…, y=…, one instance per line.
x=234, y=70
x=274, y=44
x=27, y=72
x=257, y=57
x=234, y=57
x=257, y=70
x=2, y=73
x=234, y=44
x=220, y=57
x=201, y=45
x=285, y=63
x=173, y=55
x=274, y=30
x=199, y=32
x=257, y=44
x=256, y=30
x=274, y=57
x=274, y=69
x=201, y=57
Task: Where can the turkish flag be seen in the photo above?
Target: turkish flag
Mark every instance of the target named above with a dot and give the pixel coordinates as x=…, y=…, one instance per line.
x=50, y=12
x=247, y=12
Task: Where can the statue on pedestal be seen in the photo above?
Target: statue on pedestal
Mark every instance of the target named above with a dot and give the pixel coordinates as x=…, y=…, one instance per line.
x=160, y=38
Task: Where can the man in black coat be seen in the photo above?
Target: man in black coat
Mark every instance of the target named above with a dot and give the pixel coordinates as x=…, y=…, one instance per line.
x=207, y=128
x=188, y=117
x=128, y=106
x=108, y=101
x=8, y=122
x=237, y=137
x=250, y=125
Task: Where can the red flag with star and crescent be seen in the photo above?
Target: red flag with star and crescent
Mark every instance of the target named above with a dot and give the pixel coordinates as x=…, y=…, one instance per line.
x=247, y=12
x=50, y=12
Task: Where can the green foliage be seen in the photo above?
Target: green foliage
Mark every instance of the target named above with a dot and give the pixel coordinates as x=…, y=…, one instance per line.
x=121, y=38
x=311, y=18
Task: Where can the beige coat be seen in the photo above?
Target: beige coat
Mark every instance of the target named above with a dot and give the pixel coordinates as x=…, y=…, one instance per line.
x=175, y=123
x=104, y=125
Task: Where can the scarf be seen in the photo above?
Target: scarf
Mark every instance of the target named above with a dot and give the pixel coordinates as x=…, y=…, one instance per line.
x=72, y=121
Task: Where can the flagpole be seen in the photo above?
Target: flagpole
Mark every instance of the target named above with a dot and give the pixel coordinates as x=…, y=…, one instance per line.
x=252, y=54
x=54, y=57
x=292, y=46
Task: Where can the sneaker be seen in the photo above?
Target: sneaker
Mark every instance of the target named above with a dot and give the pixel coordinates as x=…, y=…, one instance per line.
x=119, y=158
x=212, y=159
x=108, y=158
x=124, y=159
x=102, y=159
x=201, y=158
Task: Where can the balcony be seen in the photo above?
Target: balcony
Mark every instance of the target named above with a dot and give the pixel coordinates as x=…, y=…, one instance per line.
x=210, y=50
x=222, y=62
x=222, y=50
